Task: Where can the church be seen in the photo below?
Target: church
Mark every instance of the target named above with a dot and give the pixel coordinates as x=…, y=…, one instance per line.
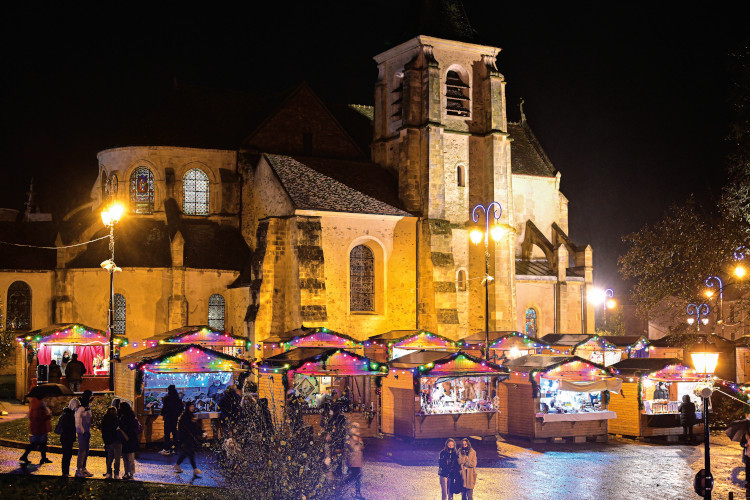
x=259, y=214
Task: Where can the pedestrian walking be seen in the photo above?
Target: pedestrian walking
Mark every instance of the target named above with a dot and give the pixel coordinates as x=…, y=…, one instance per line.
x=190, y=434
x=687, y=417
x=448, y=470
x=355, y=458
x=129, y=434
x=66, y=428
x=54, y=374
x=467, y=459
x=74, y=372
x=171, y=410
x=39, y=427
x=83, y=431
x=112, y=438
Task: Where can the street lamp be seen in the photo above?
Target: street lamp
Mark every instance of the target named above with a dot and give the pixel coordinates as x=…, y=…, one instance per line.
x=605, y=298
x=498, y=231
x=700, y=311
x=705, y=363
x=111, y=216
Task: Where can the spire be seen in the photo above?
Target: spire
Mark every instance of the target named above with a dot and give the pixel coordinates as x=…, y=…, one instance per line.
x=445, y=19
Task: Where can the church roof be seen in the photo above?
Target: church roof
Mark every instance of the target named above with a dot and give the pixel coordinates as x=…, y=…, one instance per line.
x=526, y=153
x=337, y=185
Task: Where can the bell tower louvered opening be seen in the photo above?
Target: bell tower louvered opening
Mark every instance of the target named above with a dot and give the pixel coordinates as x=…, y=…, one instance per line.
x=457, y=93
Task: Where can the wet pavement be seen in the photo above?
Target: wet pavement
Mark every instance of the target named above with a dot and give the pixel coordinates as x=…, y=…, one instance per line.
x=507, y=469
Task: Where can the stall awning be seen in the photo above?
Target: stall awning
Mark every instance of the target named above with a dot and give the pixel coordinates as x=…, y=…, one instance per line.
x=67, y=334
x=422, y=339
x=443, y=364
x=481, y=337
x=635, y=367
x=566, y=339
x=200, y=334
x=571, y=368
x=518, y=341
x=324, y=362
x=183, y=358
x=312, y=337
x=593, y=344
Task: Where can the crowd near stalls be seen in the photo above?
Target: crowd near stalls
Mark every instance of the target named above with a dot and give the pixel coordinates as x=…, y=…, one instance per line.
x=556, y=397
x=201, y=335
x=306, y=384
x=652, y=391
x=59, y=343
x=682, y=345
x=201, y=375
x=397, y=343
x=308, y=337
x=435, y=394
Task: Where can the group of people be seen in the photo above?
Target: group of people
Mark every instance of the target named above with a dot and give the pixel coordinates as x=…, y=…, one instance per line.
x=457, y=469
x=71, y=367
x=182, y=430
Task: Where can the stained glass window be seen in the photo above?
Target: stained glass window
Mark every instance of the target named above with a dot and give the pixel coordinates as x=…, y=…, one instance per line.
x=195, y=192
x=216, y=305
x=18, y=314
x=531, y=327
x=362, y=279
x=142, y=191
x=118, y=322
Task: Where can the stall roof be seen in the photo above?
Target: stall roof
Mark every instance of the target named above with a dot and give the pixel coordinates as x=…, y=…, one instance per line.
x=480, y=337
x=422, y=339
x=594, y=342
x=323, y=336
x=742, y=341
x=183, y=358
x=624, y=341
x=518, y=337
x=393, y=334
x=436, y=363
x=566, y=339
x=66, y=333
x=686, y=339
x=640, y=366
x=417, y=358
x=536, y=363
x=324, y=361
x=203, y=334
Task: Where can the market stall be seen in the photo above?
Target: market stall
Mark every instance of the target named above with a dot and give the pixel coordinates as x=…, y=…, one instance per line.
x=318, y=378
x=59, y=342
x=514, y=345
x=201, y=375
x=652, y=391
x=598, y=350
x=201, y=335
x=682, y=345
x=474, y=344
x=397, y=343
x=308, y=337
x=564, y=343
x=434, y=394
x=552, y=397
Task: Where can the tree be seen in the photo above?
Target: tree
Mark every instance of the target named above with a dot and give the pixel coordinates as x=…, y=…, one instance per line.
x=611, y=323
x=7, y=342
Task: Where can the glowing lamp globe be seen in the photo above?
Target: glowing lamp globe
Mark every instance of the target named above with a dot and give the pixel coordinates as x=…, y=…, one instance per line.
x=597, y=296
x=704, y=321
x=740, y=271
x=476, y=236
x=709, y=293
x=705, y=362
x=691, y=321
x=611, y=304
x=112, y=214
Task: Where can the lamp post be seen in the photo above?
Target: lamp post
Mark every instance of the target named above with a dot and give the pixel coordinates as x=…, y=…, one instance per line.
x=700, y=311
x=111, y=216
x=712, y=281
x=705, y=364
x=605, y=298
x=492, y=211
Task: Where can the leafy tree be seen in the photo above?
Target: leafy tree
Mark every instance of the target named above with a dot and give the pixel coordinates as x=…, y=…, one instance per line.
x=7, y=343
x=613, y=323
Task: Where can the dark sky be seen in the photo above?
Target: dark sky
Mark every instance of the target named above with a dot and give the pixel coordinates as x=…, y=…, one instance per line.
x=629, y=104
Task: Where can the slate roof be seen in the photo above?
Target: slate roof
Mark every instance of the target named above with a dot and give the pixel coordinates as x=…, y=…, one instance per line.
x=633, y=366
x=337, y=185
x=526, y=153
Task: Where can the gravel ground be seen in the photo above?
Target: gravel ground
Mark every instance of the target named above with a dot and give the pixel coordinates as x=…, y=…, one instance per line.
x=508, y=469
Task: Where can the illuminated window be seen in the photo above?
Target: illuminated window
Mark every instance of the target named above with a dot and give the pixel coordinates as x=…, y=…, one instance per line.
x=216, y=306
x=118, y=321
x=531, y=325
x=457, y=94
x=142, y=191
x=195, y=192
x=362, y=279
x=18, y=316
x=461, y=280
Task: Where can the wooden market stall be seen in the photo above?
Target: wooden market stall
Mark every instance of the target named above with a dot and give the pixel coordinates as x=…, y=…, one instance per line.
x=435, y=394
x=632, y=346
x=742, y=359
x=201, y=375
x=553, y=397
x=474, y=344
x=564, y=343
x=320, y=377
x=52, y=343
x=514, y=345
x=652, y=392
x=682, y=345
x=396, y=343
x=598, y=350
x=202, y=335
x=308, y=337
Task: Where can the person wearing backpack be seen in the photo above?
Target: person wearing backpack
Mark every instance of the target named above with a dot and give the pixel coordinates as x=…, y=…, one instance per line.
x=129, y=426
x=66, y=428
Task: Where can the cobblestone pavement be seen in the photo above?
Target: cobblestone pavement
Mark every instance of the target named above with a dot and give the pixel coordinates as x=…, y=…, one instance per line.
x=508, y=469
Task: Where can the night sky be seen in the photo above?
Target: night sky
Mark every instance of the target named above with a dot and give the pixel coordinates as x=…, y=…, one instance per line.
x=629, y=104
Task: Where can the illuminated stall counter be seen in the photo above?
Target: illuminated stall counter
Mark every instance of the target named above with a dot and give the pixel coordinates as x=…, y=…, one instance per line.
x=435, y=394
x=51, y=343
x=201, y=375
x=202, y=335
x=396, y=343
x=308, y=337
x=652, y=390
x=312, y=380
x=556, y=397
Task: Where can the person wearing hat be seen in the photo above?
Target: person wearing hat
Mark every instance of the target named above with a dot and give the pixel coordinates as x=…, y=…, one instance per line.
x=83, y=431
x=355, y=458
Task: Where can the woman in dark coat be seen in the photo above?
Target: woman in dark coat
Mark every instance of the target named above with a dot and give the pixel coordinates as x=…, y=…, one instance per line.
x=66, y=427
x=170, y=413
x=687, y=417
x=448, y=469
x=55, y=373
x=129, y=435
x=112, y=442
x=190, y=434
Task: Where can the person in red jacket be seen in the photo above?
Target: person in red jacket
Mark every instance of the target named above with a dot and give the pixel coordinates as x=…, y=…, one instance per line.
x=39, y=427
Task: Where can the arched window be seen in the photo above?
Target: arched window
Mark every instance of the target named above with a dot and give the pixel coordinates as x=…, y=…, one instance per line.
x=118, y=321
x=461, y=280
x=195, y=192
x=142, y=191
x=362, y=279
x=531, y=325
x=457, y=94
x=216, y=306
x=460, y=176
x=18, y=314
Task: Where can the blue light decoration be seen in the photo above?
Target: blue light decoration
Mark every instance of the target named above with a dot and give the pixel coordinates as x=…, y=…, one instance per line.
x=698, y=310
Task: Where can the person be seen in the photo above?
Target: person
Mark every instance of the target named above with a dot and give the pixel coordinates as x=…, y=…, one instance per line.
x=448, y=470
x=112, y=442
x=745, y=443
x=65, y=360
x=74, y=372
x=170, y=412
x=190, y=433
x=229, y=406
x=55, y=373
x=355, y=458
x=214, y=391
x=83, y=431
x=66, y=428
x=467, y=459
x=129, y=435
x=687, y=417
x=661, y=391
x=39, y=426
